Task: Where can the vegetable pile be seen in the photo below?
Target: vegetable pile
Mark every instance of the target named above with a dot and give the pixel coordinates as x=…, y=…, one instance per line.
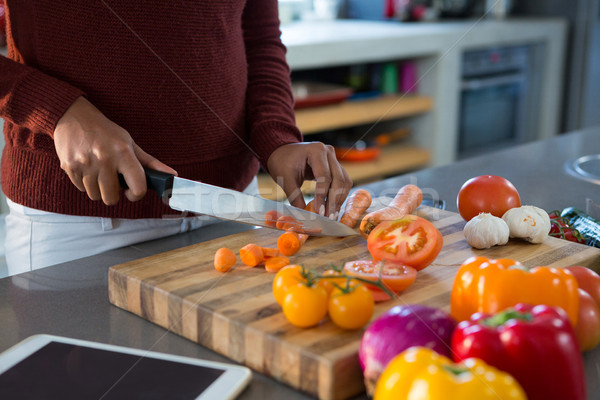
x=483, y=200
x=399, y=329
x=526, y=328
x=306, y=298
x=511, y=332
x=579, y=227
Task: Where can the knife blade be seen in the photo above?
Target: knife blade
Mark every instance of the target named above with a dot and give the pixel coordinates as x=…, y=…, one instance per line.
x=201, y=198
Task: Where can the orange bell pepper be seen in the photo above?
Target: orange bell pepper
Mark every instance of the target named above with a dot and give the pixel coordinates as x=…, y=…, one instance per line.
x=489, y=286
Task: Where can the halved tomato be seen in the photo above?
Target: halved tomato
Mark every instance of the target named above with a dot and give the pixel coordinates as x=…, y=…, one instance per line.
x=395, y=277
x=409, y=240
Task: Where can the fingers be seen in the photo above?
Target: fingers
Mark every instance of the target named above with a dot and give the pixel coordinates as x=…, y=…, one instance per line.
x=319, y=163
x=291, y=164
x=148, y=161
x=134, y=177
x=292, y=190
x=333, y=182
x=108, y=183
x=339, y=188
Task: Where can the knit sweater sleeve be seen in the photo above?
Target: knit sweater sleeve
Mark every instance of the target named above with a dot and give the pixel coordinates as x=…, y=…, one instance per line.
x=270, y=113
x=32, y=99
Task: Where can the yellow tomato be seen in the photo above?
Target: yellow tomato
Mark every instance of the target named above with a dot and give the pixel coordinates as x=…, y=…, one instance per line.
x=305, y=306
x=328, y=283
x=352, y=309
x=286, y=277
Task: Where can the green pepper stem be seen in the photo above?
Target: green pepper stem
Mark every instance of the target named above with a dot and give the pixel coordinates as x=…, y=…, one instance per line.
x=455, y=369
x=503, y=317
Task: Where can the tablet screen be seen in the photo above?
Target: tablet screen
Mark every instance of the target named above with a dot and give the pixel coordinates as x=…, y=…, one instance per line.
x=67, y=371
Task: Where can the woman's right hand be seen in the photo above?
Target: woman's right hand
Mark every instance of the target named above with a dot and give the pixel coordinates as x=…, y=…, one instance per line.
x=93, y=150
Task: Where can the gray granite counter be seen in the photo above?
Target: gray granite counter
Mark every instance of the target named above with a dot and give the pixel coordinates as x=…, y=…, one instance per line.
x=71, y=299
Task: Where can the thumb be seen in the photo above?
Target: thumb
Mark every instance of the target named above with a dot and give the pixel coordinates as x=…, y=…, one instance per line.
x=150, y=162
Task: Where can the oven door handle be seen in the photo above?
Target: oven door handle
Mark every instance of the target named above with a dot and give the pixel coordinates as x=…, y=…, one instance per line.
x=482, y=83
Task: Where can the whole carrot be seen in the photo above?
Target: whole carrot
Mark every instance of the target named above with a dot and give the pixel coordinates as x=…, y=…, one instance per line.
x=355, y=206
x=408, y=198
x=224, y=259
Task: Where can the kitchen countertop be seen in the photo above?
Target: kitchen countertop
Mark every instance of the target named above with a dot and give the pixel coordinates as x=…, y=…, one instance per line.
x=71, y=299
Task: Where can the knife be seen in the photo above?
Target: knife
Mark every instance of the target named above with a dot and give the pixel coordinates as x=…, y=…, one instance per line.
x=186, y=195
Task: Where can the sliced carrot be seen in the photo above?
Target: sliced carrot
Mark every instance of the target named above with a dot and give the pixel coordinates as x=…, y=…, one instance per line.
x=290, y=242
x=271, y=218
x=408, y=198
x=311, y=206
x=287, y=222
x=274, y=264
x=355, y=206
x=251, y=255
x=269, y=252
x=224, y=259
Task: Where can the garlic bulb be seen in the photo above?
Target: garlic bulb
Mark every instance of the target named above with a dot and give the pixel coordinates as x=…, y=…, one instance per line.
x=528, y=222
x=485, y=231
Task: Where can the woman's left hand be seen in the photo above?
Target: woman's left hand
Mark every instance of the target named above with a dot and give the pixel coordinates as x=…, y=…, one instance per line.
x=292, y=164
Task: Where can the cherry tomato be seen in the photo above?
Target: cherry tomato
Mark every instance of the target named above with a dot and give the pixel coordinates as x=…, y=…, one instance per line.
x=588, y=322
x=351, y=309
x=588, y=280
x=487, y=193
x=410, y=240
x=329, y=283
x=394, y=276
x=560, y=228
x=284, y=279
x=305, y=306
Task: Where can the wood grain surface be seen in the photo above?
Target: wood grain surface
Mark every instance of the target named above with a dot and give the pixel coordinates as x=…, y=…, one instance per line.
x=235, y=314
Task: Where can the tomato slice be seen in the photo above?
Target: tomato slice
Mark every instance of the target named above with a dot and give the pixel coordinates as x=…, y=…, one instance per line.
x=395, y=277
x=409, y=240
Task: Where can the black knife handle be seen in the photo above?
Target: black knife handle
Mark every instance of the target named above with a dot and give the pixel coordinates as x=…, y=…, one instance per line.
x=160, y=182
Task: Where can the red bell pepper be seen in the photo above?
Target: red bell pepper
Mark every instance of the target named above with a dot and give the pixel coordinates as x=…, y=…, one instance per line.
x=535, y=344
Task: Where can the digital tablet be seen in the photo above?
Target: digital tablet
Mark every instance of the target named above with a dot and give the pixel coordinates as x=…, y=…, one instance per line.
x=53, y=367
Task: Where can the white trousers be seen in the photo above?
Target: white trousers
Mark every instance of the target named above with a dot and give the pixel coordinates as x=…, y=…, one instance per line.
x=37, y=239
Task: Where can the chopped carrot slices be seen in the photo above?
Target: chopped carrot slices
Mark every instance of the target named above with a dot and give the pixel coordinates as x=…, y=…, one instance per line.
x=251, y=255
x=224, y=259
x=290, y=242
x=269, y=252
x=276, y=263
x=271, y=218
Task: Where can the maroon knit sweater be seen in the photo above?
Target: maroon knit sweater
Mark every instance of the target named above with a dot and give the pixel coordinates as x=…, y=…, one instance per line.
x=201, y=85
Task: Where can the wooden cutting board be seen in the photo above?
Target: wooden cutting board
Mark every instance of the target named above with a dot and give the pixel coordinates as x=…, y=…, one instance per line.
x=235, y=314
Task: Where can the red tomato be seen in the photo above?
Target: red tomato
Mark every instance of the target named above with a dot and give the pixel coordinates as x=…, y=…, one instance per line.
x=410, y=240
x=487, y=193
x=559, y=227
x=588, y=322
x=587, y=280
x=394, y=276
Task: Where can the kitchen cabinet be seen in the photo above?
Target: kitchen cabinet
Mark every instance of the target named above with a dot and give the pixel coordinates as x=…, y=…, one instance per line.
x=437, y=49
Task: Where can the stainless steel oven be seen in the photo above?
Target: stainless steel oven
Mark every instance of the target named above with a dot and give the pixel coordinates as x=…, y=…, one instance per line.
x=495, y=100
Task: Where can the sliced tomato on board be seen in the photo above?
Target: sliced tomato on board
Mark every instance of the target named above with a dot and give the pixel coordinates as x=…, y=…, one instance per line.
x=410, y=240
x=394, y=276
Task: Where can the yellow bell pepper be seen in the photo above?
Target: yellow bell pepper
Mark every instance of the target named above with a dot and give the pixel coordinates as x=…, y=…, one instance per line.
x=419, y=373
